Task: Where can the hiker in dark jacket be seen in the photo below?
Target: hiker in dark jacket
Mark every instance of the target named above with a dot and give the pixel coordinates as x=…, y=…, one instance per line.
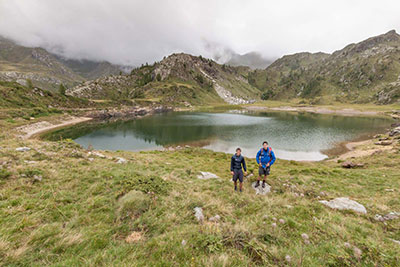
x=237, y=162
x=265, y=158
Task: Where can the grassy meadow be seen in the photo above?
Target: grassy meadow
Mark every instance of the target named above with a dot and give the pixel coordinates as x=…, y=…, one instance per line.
x=63, y=206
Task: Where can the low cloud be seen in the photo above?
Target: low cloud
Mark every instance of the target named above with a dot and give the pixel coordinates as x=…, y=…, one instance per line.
x=135, y=32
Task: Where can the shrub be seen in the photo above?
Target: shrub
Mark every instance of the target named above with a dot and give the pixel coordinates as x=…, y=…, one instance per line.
x=4, y=174
x=62, y=89
x=145, y=184
x=267, y=94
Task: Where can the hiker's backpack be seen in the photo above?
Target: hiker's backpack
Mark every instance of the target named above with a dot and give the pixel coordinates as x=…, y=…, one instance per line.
x=269, y=151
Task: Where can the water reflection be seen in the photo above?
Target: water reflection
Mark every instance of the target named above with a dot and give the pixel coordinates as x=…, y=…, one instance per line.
x=292, y=136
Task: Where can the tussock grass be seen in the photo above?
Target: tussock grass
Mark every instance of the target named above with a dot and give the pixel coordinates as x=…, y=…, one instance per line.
x=82, y=211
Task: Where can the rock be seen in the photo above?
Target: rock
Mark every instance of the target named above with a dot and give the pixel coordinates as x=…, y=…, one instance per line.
x=22, y=149
x=389, y=190
x=260, y=190
x=344, y=203
x=357, y=252
x=387, y=217
x=216, y=218
x=37, y=178
x=250, y=175
x=304, y=236
x=350, y=165
x=30, y=161
x=207, y=175
x=97, y=154
x=90, y=159
x=395, y=131
x=121, y=160
x=383, y=143
x=396, y=241
x=383, y=139
x=198, y=213
x=288, y=258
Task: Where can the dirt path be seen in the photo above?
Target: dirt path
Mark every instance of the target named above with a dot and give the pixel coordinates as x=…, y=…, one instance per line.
x=33, y=129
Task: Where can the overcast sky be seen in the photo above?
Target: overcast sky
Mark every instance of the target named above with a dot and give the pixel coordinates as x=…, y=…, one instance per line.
x=134, y=31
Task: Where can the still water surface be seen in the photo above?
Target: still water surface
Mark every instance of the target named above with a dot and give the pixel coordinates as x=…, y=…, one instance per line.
x=292, y=136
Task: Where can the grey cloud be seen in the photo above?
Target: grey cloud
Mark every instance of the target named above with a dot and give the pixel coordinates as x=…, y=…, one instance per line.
x=134, y=32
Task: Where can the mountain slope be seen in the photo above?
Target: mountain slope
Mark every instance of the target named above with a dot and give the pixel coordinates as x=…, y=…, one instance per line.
x=179, y=78
x=253, y=60
x=368, y=71
x=44, y=69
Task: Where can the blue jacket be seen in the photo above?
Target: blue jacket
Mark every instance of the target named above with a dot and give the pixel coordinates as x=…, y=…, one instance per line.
x=265, y=156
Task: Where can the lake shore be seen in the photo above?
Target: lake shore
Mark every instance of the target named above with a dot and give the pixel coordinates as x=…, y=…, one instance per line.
x=341, y=151
x=318, y=110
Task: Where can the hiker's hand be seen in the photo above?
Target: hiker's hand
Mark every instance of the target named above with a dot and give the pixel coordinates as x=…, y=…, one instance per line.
x=267, y=164
x=232, y=173
x=260, y=165
x=245, y=173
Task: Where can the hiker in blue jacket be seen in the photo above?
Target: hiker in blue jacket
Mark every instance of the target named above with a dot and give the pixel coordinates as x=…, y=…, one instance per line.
x=237, y=162
x=265, y=158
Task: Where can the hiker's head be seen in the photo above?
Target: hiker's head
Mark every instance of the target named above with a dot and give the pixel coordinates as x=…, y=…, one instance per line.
x=238, y=151
x=265, y=144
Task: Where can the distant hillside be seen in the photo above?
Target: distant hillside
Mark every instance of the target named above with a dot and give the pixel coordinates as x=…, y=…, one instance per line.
x=44, y=69
x=17, y=100
x=179, y=78
x=91, y=69
x=368, y=71
x=253, y=60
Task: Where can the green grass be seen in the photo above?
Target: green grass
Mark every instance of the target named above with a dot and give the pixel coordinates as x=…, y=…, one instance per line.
x=83, y=210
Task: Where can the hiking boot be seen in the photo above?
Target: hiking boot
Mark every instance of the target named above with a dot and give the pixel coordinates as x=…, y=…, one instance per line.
x=240, y=190
x=263, y=184
x=257, y=184
x=235, y=188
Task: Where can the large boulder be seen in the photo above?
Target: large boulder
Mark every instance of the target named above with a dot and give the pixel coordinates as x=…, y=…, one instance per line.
x=344, y=203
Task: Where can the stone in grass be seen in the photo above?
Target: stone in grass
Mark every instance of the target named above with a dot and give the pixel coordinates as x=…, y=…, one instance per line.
x=121, y=160
x=216, y=218
x=306, y=239
x=37, y=178
x=357, y=252
x=97, y=154
x=207, y=175
x=22, y=149
x=395, y=241
x=387, y=217
x=344, y=203
x=260, y=190
x=288, y=258
x=198, y=213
